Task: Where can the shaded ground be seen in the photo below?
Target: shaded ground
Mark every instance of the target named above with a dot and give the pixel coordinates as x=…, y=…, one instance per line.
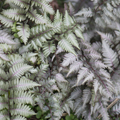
x=32, y=118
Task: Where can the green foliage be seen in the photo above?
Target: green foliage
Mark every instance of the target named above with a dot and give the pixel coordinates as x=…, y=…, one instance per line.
x=61, y=3
x=71, y=117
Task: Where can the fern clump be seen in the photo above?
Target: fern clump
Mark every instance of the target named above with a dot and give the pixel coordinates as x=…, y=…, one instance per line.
x=59, y=65
x=29, y=62
x=95, y=71
x=14, y=94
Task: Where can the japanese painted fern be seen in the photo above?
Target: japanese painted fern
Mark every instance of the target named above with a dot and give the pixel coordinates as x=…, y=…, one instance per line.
x=29, y=74
x=51, y=64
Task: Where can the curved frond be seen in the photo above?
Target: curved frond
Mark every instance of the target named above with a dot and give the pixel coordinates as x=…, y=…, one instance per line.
x=23, y=110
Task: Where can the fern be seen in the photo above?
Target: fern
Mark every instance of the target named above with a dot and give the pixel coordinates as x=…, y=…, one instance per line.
x=59, y=65
x=98, y=57
x=24, y=32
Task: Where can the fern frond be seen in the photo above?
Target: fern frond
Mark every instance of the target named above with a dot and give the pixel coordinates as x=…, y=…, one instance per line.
x=22, y=84
x=22, y=97
x=110, y=57
x=15, y=59
x=65, y=45
x=76, y=93
x=86, y=96
x=100, y=22
x=96, y=85
x=5, y=38
x=79, y=109
x=99, y=64
x=24, y=49
x=15, y=14
x=108, y=13
x=60, y=78
x=81, y=74
x=19, y=69
x=3, y=74
x=78, y=33
x=67, y=109
x=86, y=12
x=24, y=32
x=89, y=77
x=21, y=3
x=67, y=20
x=45, y=6
x=69, y=58
x=3, y=87
x=74, y=67
x=104, y=113
x=3, y=56
x=107, y=37
x=38, y=19
x=72, y=39
x=48, y=48
x=109, y=7
x=6, y=21
x=23, y=110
